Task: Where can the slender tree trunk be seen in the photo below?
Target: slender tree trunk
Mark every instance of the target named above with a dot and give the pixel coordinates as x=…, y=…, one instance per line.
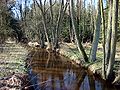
x=42, y=39
x=25, y=16
x=60, y=18
x=96, y=35
x=103, y=36
x=52, y=24
x=113, y=38
x=78, y=19
x=108, y=38
x=78, y=15
x=91, y=22
x=79, y=45
x=71, y=32
x=58, y=24
x=84, y=20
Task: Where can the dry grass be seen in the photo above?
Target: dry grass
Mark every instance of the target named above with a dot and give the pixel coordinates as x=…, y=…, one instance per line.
x=12, y=59
x=70, y=51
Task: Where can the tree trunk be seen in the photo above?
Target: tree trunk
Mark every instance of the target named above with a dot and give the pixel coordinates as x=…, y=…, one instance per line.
x=52, y=24
x=79, y=45
x=78, y=19
x=96, y=35
x=58, y=24
x=92, y=22
x=42, y=39
x=60, y=18
x=103, y=36
x=113, y=39
x=71, y=32
x=44, y=22
x=108, y=38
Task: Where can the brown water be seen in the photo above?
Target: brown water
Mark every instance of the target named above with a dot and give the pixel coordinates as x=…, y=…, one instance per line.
x=49, y=71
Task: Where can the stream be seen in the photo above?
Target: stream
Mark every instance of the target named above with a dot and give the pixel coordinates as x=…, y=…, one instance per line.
x=50, y=71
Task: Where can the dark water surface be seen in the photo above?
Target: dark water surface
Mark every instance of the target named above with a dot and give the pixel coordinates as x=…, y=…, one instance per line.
x=49, y=71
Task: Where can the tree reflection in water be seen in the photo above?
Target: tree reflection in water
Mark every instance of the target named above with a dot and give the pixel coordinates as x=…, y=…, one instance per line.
x=55, y=72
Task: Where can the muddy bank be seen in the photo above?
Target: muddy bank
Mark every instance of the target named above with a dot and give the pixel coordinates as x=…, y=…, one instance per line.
x=70, y=51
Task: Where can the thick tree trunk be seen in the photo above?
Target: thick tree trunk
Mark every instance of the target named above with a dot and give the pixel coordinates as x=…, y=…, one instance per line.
x=113, y=39
x=96, y=35
x=79, y=45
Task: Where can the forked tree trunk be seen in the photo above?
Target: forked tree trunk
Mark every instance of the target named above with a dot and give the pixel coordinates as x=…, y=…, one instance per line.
x=113, y=39
x=96, y=35
x=44, y=23
x=60, y=18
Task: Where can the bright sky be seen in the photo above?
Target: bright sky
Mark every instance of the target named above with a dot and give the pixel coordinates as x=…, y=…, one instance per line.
x=31, y=1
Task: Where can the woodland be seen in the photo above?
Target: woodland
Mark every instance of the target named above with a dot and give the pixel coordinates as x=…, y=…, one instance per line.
x=49, y=23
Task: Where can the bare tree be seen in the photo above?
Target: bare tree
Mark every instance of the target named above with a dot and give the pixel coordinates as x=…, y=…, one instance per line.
x=96, y=35
x=109, y=30
x=62, y=11
x=74, y=26
x=103, y=36
x=113, y=38
x=43, y=10
x=57, y=31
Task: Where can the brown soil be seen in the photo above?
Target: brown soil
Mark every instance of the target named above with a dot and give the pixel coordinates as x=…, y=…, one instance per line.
x=12, y=67
x=15, y=82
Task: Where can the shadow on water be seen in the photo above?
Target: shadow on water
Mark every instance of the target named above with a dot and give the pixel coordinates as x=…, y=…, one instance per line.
x=49, y=71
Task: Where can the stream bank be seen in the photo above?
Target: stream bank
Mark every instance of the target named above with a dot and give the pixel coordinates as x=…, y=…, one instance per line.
x=70, y=51
x=14, y=57
x=51, y=71
x=13, y=74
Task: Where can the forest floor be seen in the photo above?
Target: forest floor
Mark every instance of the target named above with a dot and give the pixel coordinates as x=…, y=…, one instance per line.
x=12, y=66
x=70, y=50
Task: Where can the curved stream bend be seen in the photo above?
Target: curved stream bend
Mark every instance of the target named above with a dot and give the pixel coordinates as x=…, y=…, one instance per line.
x=49, y=71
